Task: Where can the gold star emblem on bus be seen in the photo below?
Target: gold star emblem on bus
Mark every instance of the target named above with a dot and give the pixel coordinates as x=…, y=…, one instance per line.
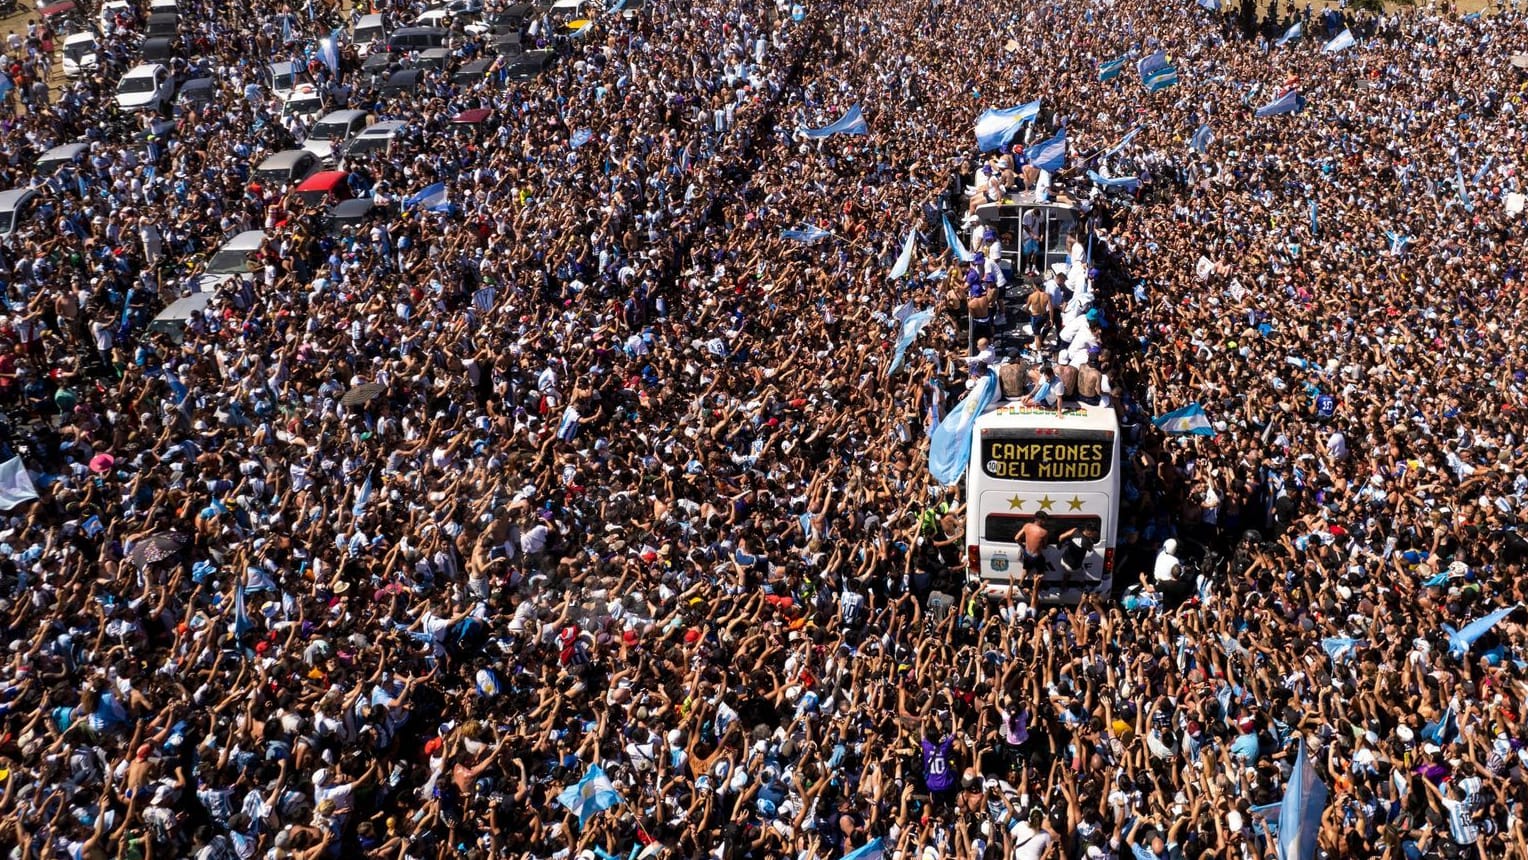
x=1075, y=504
x=1015, y=503
x=1047, y=503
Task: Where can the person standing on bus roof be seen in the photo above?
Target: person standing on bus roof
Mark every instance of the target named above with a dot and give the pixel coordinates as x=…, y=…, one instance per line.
x=1039, y=305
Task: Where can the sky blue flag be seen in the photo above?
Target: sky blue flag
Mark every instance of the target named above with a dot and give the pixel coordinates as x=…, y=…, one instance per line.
x=1300, y=812
x=1146, y=65
x=949, y=445
x=1341, y=42
x=872, y=850
x=905, y=260
x=1481, y=173
x=593, y=794
x=1161, y=79
x=1049, y=154
x=994, y=128
x=1459, y=641
x=329, y=52
x=1339, y=649
x=1444, y=730
x=1397, y=242
x=952, y=238
x=431, y=197
x=1286, y=103
x=1188, y=421
x=1110, y=70
x=241, y=622
x=1127, y=183
x=911, y=326
x=1129, y=136
x=1202, y=138
x=808, y=234
x=1315, y=226
x=1212, y=5
x=580, y=137
x=1464, y=196
x=1295, y=31
x=852, y=122
x=362, y=497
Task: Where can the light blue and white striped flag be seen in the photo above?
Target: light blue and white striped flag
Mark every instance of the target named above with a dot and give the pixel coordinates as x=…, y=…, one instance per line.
x=1161, y=79
x=949, y=445
x=1286, y=103
x=994, y=128
x=952, y=238
x=1129, y=136
x=912, y=325
x=1459, y=641
x=362, y=497
x=852, y=122
x=1301, y=809
x=905, y=259
x=1464, y=195
x=329, y=52
x=1126, y=183
x=1049, y=155
x=593, y=794
x=1110, y=70
x=808, y=234
x=1188, y=421
x=1295, y=31
x=1341, y=42
x=875, y=849
x=1149, y=64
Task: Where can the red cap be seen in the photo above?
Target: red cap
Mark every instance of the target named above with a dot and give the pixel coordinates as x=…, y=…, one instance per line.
x=691, y=636
x=629, y=637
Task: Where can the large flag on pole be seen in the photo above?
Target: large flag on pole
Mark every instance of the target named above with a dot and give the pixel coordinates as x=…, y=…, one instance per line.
x=1191, y=420
x=1129, y=136
x=994, y=128
x=949, y=445
x=1300, y=812
x=1049, y=155
x=1342, y=42
x=1286, y=103
x=852, y=122
x=593, y=794
x=905, y=259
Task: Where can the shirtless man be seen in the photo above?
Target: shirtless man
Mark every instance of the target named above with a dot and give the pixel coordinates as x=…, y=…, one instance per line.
x=1039, y=305
x=1034, y=536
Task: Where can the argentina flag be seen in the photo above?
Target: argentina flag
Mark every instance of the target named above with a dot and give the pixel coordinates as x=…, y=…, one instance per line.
x=1161, y=79
x=593, y=794
x=911, y=327
x=852, y=122
x=1151, y=63
x=1124, y=183
x=952, y=239
x=1342, y=42
x=1110, y=70
x=994, y=128
x=1301, y=809
x=1460, y=641
x=905, y=260
x=484, y=298
x=807, y=235
x=949, y=445
x=1286, y=103
x=1049, y=155
x=1191, y=420
x=1294, y=32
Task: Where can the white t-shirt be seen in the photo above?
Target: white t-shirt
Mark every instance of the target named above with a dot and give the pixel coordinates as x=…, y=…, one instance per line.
x=1167, y=568
x=1028, y=843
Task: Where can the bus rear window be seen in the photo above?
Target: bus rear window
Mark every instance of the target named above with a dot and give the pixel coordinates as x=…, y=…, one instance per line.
x=1004, y=528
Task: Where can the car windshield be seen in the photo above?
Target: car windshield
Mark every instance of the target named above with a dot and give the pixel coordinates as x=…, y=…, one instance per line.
x=329, y=130
x=7, y=219
x=304, y=104
x=230, y=262
x=367, y=144
x=137, y=84
x=79, y=50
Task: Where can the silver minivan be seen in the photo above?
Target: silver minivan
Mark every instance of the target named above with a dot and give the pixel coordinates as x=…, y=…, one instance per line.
x=235, y=257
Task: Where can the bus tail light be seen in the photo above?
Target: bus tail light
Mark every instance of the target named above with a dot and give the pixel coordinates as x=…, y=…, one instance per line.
x=974, y=557
x=1109, y=561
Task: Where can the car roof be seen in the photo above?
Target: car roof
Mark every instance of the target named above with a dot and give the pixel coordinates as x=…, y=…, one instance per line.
x=477, y=65
x=66, y=150
x=323, y=180
x=12, y=198
x=386, y=127
x=404, y=77
x=160, y=17
x=471, y=117
x=345, y=115
x=81, y=36
x=353, y=206
x=284, y=159
x=373, y=19
x=284, y=65
x=143, y=70
x=409, y=31
x=250, y=239
x=198, y=84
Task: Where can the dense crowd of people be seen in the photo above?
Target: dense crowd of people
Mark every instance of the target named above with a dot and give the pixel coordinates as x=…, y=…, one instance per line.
x=591, y=466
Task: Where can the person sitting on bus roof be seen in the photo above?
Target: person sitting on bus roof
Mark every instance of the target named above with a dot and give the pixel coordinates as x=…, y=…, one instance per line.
x=1046, y=390
x=983, y=359
x=1093, y=386
x=989, y=189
